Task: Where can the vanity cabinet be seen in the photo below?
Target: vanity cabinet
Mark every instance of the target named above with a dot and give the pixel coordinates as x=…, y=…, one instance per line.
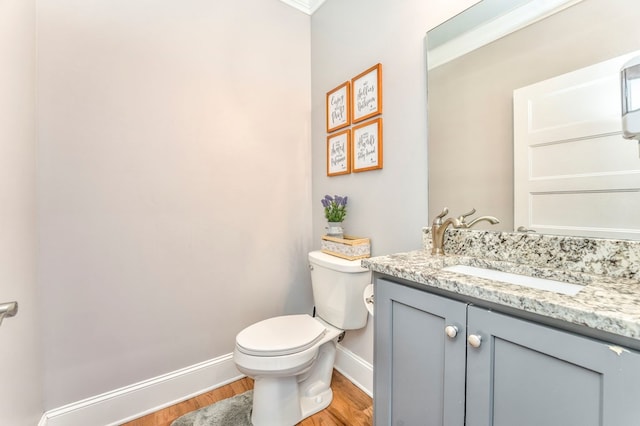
x=440, y=361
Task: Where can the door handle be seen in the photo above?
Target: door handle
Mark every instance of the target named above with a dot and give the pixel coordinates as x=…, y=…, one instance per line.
x=451, y=331
x=7, y=310
x=475, y=340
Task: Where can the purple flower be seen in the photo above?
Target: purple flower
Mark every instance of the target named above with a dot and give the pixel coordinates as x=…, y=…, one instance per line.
x=335, y=208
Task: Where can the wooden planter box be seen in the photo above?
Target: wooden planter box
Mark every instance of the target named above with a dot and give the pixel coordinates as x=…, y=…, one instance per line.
x=349, y=247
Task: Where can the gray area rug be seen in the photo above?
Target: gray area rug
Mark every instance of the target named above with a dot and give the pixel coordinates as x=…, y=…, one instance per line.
x=234, y=411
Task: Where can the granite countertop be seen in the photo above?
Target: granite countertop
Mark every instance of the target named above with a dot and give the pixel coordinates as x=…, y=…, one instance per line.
x=609, y=304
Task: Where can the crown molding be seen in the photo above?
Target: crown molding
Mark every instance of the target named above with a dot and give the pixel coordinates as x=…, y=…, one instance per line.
x=306, y=6
x=495, y=28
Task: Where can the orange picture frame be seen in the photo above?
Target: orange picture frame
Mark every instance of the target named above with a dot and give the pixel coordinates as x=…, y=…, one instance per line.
x=339, y=107
x=367, y=146
x=339, y=153
x=366, y=98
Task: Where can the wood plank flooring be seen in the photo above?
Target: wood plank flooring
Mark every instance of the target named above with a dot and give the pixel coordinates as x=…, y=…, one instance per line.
x=350, y=405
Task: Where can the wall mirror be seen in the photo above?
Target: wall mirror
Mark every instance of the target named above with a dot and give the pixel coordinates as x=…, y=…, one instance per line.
x=477, y=59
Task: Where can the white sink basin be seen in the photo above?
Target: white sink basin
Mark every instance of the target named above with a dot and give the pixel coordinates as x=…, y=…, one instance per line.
x=523, y=280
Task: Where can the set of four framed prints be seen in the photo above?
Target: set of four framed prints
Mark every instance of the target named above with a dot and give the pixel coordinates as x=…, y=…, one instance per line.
x=353, y=103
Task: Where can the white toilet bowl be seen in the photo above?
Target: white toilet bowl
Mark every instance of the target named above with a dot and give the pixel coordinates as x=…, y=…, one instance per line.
x=291, y=357
x=292, y=375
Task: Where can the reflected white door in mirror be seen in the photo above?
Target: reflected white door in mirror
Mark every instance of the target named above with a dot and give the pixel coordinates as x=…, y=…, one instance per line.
x=574, y=173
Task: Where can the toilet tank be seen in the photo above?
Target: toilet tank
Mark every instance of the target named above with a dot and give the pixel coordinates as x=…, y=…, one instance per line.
x=338, y=285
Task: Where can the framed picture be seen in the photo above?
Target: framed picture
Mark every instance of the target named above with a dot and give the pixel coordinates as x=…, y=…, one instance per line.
x=339, y=153
x=367, y=146
x=338, y=111
x=366, y=100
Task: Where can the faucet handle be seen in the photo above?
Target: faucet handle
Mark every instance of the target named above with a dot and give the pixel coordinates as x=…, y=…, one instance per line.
x=524, y=229
x=463, y=216
x=438, y=219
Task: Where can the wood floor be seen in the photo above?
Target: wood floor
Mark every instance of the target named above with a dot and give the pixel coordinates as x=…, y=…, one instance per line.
x=350, y=405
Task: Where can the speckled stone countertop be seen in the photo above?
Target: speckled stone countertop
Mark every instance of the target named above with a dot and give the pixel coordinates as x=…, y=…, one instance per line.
x=608, y=270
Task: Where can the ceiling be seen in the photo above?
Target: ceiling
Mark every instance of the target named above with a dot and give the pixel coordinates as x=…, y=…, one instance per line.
x=306, y=6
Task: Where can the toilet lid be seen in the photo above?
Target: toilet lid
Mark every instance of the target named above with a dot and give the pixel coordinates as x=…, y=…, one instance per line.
x=280, y=335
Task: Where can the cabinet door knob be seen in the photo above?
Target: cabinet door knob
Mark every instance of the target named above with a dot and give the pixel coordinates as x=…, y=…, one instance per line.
x=474, y=340
x=451, y=331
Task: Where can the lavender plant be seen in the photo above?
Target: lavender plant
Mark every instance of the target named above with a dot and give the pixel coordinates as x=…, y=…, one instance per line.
x=335, y=208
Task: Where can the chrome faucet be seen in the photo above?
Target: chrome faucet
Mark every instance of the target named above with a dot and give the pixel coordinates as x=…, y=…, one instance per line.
x=439, y=226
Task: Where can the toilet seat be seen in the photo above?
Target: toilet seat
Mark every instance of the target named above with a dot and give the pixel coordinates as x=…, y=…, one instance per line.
x=281, y=335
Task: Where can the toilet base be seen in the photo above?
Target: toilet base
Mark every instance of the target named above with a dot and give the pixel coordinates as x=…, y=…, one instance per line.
x=282, y=401
x=312, y=405
x=275, y=401
x=291, y=409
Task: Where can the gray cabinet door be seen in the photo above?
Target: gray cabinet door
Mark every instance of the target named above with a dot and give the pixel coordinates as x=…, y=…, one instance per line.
x=527, y=374
x=419, y=375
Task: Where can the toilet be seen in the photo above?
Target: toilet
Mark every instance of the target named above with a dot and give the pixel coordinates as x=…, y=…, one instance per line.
x=291, y=357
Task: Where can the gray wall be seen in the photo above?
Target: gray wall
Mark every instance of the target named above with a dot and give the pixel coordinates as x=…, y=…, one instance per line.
x=389, y=205
x=173, y=182
x=20, y=354
x=470, y=101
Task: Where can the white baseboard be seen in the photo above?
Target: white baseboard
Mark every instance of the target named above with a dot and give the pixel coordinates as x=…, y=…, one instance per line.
x=354, y=368
x=43, y=420
x=130, y=402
